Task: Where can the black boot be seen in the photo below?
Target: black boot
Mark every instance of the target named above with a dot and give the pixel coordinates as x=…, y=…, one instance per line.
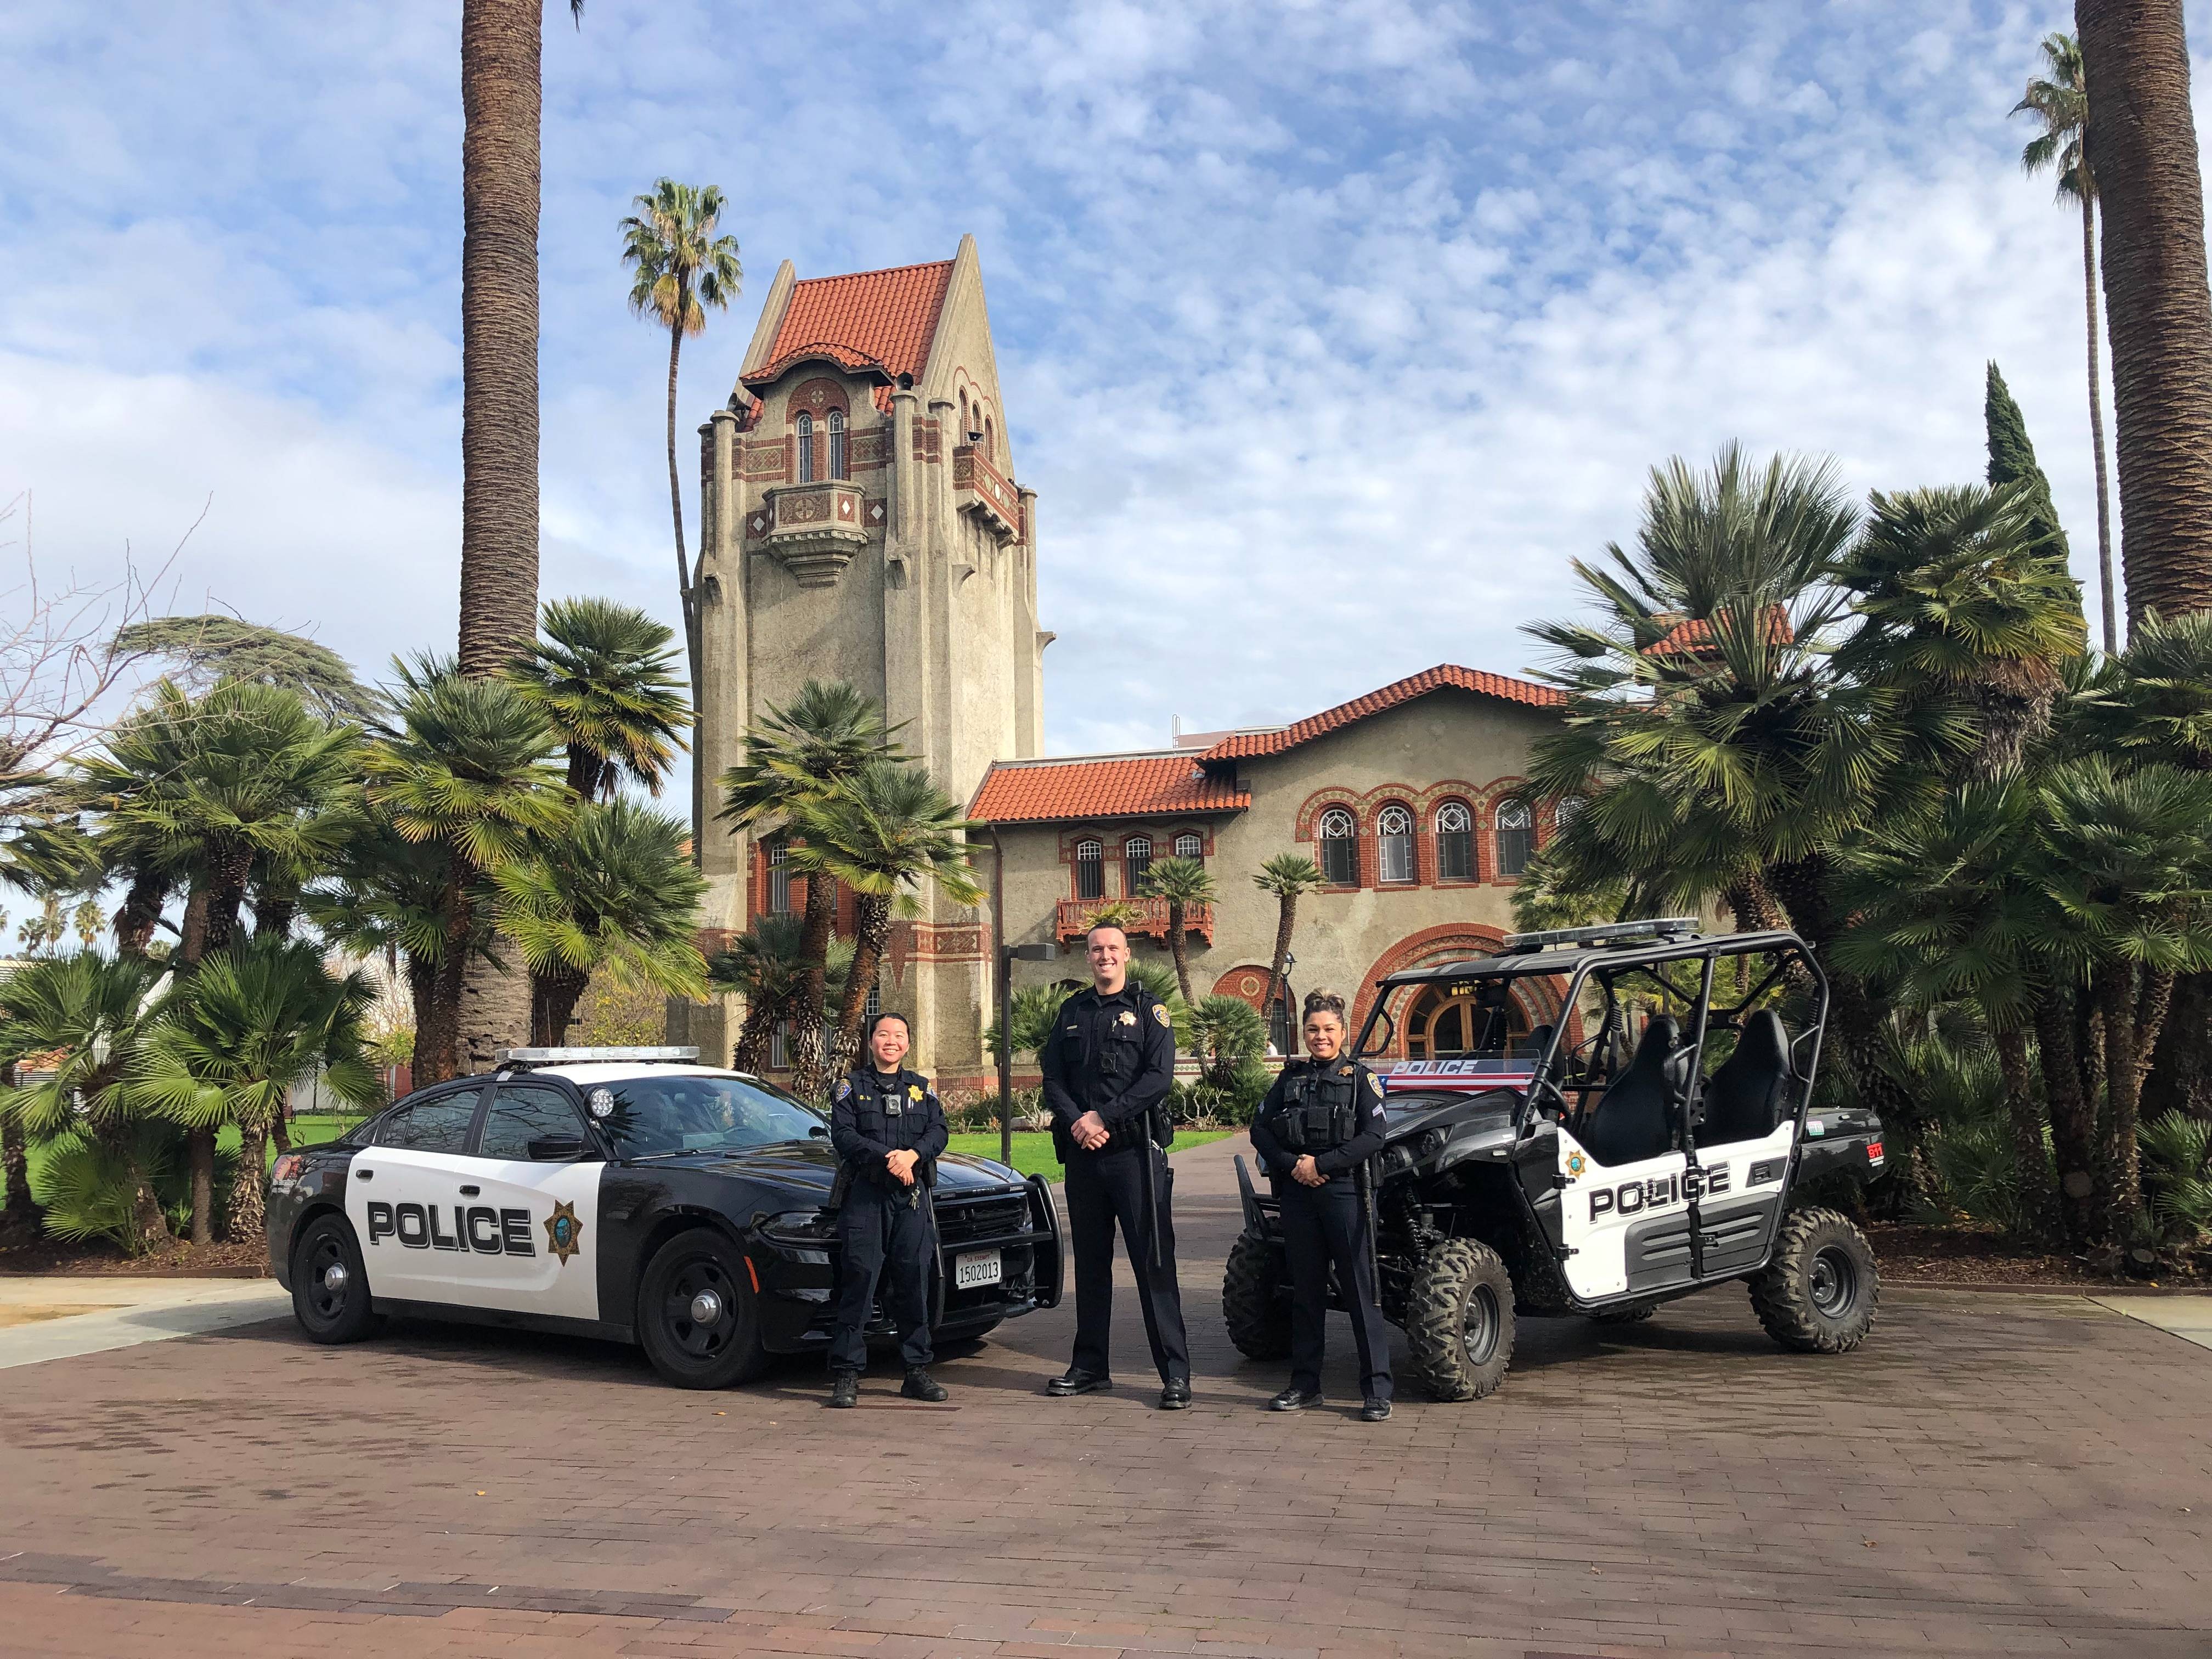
x=920, y=1385
x=844, y=1389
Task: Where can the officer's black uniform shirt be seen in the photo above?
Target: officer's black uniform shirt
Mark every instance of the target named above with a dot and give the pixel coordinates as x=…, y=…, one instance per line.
x=1338, y=1162
x=877, y=1114
x=1114, y=1055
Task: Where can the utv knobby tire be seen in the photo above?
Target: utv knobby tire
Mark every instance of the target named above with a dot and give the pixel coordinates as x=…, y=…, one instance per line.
x=1253, y=1303
x=1459, y=1321
x=1818, y=1293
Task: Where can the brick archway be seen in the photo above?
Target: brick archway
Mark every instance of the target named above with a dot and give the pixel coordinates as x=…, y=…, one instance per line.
x=1539, y=998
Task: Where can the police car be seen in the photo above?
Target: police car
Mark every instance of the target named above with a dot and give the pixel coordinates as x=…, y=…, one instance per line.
x=629, y=1194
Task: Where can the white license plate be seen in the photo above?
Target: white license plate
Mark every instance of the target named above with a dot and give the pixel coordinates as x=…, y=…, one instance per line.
x=980, y=1268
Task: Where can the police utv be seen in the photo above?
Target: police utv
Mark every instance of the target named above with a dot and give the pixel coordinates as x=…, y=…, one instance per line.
x=1656, y=1137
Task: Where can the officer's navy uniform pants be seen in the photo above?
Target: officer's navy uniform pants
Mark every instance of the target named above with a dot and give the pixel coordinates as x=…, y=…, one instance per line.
x=1104, y=1190
x=1321, y=1225
x=878, y=1229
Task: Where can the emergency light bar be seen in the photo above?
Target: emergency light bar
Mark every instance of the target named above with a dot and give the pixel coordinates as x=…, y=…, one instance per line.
x=567, y=1057
x=1616, y=932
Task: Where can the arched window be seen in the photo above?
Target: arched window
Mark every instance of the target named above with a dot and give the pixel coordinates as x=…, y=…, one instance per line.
x=1570, y=808
x=1189, y=846
x=1517, y=837
x=779, y=878
x=1393, y=829
x=1455, y=841
x=1136, y=863
x=806, y=449
x=838, y=466
x=961, y=437
x=991, y=439
x=1090, y=870
x=1340, y=848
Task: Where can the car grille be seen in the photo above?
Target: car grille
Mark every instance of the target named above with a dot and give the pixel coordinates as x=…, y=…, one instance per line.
x=985, y=1219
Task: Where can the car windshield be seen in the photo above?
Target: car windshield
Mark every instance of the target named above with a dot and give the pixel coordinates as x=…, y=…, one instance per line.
x=656, y=1116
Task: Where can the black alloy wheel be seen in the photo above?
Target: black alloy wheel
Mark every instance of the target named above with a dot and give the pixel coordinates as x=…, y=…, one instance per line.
x=330, y=1288
x=697, y=1316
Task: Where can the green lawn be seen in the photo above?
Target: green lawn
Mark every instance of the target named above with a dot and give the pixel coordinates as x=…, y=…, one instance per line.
x=1033, y=1153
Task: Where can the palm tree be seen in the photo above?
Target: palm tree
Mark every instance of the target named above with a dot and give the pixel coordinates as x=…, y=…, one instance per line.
x=2059, y=99
x=246, y=1029
x=384, y=894
x=614, y=890
x=1182, y=882
x=465, y=772
x=600, y=677
x=828, y=734
x=93, y=1012
x=764, y=966
x=883, y=832
x=683, y=268
x=2139, y=145
x=1288, y=876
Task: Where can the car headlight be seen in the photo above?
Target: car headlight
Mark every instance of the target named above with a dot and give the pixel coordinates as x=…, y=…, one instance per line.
x=801, y=1226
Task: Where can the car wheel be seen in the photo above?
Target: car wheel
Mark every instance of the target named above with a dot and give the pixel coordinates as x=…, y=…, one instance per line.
x=697, y=1316
x=1818, y=1293
x=1459, y=1321
x=1253, y=1303
x=1634, y=1314
x=329, y=1287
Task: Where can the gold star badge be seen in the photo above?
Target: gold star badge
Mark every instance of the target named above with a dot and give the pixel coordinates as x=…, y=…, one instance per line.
x=563, y=1232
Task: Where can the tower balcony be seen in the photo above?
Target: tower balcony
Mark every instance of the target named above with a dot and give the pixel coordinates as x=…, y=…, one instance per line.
x=981, y=489
x=815, y=529
x=1148, y=918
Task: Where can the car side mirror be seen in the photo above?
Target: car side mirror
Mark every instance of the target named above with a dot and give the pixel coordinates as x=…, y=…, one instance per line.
x=821, y=1129
x=555, y=1149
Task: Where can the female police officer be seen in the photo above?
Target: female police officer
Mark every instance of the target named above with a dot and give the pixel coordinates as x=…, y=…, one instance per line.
x=888, y=1131
x=1320, y=1123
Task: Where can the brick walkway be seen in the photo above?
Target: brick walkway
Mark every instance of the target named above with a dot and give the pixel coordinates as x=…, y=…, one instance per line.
x=1999, y=1474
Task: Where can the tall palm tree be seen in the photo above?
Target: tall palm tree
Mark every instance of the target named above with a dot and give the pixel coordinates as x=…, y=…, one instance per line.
x=613, y=891
x=884, y=832
x=600, y=676
x=93, y=1012
x=2140, y=143
x=827, y=735
x=246, y=1029
x=682, y=268
x=2060, y=101
x=763, y=965
x=1182, y=882
x=466, y=772
x=1288, y=877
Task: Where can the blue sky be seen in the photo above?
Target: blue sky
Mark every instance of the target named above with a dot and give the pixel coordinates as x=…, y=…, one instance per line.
x=1329, y=331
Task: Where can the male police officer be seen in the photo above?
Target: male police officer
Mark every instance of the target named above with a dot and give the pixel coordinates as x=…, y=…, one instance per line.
x=1107, y=1065
x=888, y=1131
x=1320, y=1122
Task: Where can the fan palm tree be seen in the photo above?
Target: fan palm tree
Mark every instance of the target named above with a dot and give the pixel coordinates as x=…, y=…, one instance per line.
x=249, y=1026
x=827, y=735
x=682, y=268
x=600, y=677
x=90, y=1014
x=1288, y=877
x=613, y=891
x=1182, y=882
x=384, y=894
x=2059, y=99
x=764, y=966
x=465, y=772
x=2140, y=146
x=884, y=832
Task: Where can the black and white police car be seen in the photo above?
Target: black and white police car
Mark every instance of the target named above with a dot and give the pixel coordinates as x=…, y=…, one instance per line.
x=630, y=1193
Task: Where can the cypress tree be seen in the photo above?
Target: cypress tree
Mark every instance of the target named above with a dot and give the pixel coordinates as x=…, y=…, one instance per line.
x=2012, y=457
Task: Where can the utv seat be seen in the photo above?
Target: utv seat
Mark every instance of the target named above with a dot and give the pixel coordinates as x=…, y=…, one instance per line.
x=1631, y=1120
x=1744, y=1100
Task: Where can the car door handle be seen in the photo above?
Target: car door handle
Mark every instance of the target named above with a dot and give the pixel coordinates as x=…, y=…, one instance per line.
x=470, y=1191
x=364, y=1174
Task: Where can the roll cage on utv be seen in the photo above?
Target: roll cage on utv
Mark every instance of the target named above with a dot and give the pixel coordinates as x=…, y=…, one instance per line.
x=1631, y=1122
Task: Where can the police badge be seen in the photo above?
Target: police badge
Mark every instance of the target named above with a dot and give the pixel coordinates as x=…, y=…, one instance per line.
x=563, y=1232
x=1127, y=1019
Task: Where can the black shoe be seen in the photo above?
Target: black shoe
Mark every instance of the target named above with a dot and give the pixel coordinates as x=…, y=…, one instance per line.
x=920, y=1385
x=1294, y=1400
x=845, y=1390
x=1175, y=1394
x=1076, y=1382
x=1375, y=1411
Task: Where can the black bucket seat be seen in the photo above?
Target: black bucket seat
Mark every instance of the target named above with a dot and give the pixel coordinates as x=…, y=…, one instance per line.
x=1744, y=1100
x=1631, y=1120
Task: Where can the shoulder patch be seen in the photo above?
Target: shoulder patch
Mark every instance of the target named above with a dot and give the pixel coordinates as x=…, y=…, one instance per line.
x=1374, y=1085
x=844, y=1087
x=1160, y=1013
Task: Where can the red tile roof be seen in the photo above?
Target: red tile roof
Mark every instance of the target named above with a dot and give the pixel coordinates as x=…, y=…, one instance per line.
x=1693, y=636
x=1134, y=786
x=1246, y=744
x=870, y=319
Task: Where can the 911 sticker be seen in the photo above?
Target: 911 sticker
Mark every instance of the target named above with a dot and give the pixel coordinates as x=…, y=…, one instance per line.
x=1873, y=1152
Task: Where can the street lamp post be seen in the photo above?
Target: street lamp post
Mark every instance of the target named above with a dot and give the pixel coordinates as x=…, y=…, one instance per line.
x=1007, y=955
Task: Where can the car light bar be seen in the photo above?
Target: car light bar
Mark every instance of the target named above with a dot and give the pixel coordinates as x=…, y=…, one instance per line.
x=1615, y=932
x=563, y=1056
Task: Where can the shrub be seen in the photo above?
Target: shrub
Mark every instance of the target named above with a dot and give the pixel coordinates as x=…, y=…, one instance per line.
x=2177, y=1152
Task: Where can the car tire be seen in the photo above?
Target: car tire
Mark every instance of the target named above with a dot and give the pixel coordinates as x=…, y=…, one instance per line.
x=1459, y=1321
x=688, y=1348
x=1819, y=1292
x=1634, y=1314
x=1253, y=1303
x=330, y=1286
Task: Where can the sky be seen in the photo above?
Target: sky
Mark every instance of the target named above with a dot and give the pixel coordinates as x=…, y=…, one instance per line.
x=1329, y=332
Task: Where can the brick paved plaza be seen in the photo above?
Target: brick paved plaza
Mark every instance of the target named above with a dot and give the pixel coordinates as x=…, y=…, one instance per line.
x=1991, y=1473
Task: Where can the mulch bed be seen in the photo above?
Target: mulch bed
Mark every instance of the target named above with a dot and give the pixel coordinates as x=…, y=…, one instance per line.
x=1966, y=1258
x=248, y=1260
